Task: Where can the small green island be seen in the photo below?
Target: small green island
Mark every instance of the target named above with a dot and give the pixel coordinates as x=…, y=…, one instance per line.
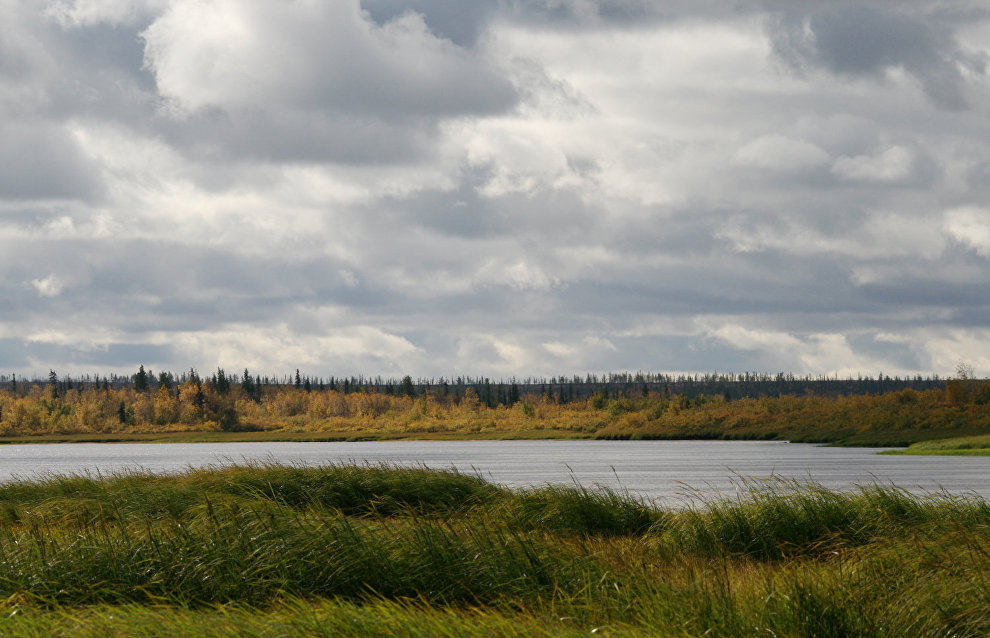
x=957, y=446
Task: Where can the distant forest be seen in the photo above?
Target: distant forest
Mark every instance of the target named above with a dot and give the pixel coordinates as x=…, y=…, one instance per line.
x=496, y=392
x=877, y=410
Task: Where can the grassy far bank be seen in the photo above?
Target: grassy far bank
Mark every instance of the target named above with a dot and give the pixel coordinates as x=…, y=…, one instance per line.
x=959, y=446
x=366, y=551
x=202, y=411
x=247, y=436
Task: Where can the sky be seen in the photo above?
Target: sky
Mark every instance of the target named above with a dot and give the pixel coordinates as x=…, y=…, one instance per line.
x=496, y=187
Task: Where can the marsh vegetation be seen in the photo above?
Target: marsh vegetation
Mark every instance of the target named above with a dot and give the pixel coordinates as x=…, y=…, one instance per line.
x=373, y=550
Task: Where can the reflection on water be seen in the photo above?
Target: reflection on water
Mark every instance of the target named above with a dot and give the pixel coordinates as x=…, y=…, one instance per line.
x=662, y=470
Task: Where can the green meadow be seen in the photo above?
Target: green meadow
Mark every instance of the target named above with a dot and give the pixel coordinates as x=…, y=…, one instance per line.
x=276, y=550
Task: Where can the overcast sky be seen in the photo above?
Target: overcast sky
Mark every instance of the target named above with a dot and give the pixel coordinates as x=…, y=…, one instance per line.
x=495, y=187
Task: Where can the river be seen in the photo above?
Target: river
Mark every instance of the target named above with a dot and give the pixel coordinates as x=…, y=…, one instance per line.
x=666, y=471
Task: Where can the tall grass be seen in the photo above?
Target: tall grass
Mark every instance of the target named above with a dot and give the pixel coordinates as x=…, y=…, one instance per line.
x=780, y=518
x=364, y=551
x=351, y=489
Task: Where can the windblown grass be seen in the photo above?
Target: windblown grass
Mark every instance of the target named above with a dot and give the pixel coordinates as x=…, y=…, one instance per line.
x=353, y=490
x=376, y=550
x=781, y=518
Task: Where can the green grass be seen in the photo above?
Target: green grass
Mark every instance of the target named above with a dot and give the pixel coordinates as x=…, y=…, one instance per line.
x=268, y=549
x=957, y=446
x=780, y=518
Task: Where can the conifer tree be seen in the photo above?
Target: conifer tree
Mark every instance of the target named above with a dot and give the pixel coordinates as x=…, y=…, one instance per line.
x=141, y=380
x=221, y=382
x=247, y=384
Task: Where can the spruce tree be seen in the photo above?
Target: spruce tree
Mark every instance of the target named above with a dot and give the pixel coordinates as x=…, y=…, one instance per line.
x=141, y=380
x=513, y=394
x=247, y=384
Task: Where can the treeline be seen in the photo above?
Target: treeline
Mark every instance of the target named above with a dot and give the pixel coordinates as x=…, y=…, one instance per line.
x=349, y=408
x=495, y=392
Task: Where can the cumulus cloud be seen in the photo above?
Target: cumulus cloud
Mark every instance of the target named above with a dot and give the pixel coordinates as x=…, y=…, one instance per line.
x=318, y=75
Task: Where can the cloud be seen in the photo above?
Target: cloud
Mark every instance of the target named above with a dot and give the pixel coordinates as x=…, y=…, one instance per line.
x=500, y=187
x=460, y=22
x=41, y=160
x=894, y=165
x=76, y=13
x=321, y=77
x=970, y=226
x=782, y=154
x=50, y=286
x=816, y=353
x=860, y=40
x=751, y=339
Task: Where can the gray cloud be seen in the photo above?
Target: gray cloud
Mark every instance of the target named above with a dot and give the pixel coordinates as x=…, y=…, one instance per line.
x=863, y=40
x=460, y=22
x=292, y=83
x=39, y=160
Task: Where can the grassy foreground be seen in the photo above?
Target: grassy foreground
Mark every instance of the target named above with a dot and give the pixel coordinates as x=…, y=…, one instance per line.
x=270, y=549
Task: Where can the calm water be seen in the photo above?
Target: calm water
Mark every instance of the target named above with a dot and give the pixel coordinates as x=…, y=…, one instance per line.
x=664, y=470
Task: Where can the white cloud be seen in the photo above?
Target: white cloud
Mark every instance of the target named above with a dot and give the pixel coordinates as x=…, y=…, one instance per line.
x=893, y=165
x=283, y=348
x=523, y=276
x=947, y=348
x=558, y=349
x=239, y=55
x=815, y=353
x=880, y=235
x=78, y=13
x=970, y=226
x=780, y=153
x=753, y=338
x=50, y=286
x=832, y=354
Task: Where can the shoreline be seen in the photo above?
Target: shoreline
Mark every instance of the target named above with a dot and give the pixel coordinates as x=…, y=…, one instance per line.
x=946, y=447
